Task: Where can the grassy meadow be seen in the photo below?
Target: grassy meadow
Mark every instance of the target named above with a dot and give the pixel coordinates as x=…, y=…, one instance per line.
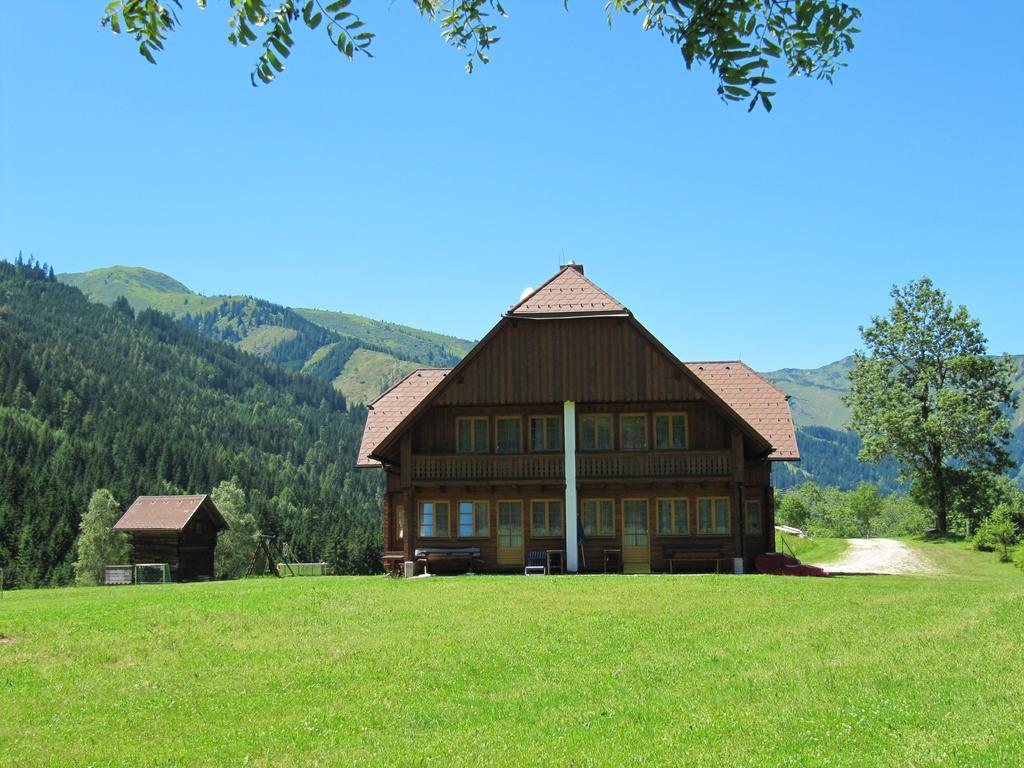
x=816, y=550
x=597, y=670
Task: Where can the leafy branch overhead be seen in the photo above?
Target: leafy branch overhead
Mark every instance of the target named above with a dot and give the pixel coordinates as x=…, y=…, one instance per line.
x=742, y=42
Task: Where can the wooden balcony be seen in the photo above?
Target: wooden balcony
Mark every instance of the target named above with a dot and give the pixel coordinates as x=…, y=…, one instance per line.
x=589, y=466
x=489, y=466
x=659, y=464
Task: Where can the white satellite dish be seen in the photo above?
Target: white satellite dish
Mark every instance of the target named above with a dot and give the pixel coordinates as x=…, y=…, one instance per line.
x=527, y=292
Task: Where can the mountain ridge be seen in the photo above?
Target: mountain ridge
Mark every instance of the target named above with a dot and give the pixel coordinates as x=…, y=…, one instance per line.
x=319, y=342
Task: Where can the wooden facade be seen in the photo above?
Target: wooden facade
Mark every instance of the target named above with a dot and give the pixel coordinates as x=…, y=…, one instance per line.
x=666, y=475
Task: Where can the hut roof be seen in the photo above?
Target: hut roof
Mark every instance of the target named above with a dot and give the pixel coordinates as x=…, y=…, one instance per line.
x=167, y=513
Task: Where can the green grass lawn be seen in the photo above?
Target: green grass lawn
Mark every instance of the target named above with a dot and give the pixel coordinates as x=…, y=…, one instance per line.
x=574, y=671
x=812, y=550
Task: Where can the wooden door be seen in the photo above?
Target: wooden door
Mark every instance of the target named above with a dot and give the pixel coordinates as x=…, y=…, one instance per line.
x=636, y=536
x=510, y=533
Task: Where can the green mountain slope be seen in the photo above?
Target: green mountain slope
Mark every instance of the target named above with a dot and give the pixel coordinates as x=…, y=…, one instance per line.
x=403, y=342
x=92, y=396
x=317, y=342
x=829, y=451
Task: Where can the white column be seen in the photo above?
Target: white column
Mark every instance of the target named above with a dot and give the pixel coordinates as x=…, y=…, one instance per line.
x=569, y=441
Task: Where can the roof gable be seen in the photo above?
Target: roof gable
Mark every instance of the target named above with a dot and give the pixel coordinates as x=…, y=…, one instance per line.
x=755, y=405
x=166, y=513
x=568, y=293
x=390, y=409
x=760, y=403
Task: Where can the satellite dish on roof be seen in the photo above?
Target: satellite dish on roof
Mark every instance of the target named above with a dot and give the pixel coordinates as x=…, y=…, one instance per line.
x=527, y=292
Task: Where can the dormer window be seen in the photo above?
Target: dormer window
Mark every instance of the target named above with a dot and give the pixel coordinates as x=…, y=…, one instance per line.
x=471, y=434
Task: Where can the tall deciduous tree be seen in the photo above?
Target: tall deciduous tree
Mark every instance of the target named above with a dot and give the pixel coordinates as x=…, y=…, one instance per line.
x=235, y=545
x=740, y=41
x=98, y=544
x=926, y=393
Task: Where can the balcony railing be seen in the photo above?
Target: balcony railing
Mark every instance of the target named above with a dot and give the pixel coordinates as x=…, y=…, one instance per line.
x=589, y=466
x=642, y=464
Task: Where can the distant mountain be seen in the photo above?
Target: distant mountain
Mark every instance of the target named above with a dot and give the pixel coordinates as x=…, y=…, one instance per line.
x=359, y=356
x=828, y=449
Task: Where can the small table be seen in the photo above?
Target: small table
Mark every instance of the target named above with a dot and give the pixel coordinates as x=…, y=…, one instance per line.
x=613, y=557
x=556, y=561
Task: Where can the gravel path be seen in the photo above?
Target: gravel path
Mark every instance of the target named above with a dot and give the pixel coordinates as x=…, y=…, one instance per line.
x=881, y=556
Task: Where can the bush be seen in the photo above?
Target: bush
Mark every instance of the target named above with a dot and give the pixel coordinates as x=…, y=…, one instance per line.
x=997, y=533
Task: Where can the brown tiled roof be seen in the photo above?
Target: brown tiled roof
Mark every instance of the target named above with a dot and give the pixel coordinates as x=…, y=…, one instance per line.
x=387, y=411
x=757, y=401
x=163, y=513
x=568, y=293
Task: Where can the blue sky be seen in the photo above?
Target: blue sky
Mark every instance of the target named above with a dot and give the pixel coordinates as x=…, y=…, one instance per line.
x=402, y=188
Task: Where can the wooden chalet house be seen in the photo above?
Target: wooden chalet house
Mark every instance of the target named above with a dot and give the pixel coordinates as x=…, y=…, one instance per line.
x=570, y=427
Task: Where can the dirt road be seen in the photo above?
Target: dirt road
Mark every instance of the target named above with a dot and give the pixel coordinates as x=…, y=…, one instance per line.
x=882, y=556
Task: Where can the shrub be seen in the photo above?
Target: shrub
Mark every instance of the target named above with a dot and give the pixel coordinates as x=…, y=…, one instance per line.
x=997, y=532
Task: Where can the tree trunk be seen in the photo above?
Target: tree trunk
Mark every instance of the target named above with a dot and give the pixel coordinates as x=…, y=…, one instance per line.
x=941, y=500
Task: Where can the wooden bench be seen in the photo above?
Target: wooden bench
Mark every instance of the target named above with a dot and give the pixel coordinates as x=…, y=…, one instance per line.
x=674, y=556
x=393, y=563
x=461, y=556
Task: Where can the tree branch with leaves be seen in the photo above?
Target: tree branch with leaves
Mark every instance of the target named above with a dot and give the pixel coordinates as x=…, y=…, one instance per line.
x=742, y=42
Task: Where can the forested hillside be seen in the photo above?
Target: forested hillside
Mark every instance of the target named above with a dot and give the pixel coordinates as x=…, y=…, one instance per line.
x=95, y=397
x=318, y=342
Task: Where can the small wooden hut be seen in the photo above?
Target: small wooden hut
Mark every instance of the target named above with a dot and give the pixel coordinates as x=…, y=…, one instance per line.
x=180, y=531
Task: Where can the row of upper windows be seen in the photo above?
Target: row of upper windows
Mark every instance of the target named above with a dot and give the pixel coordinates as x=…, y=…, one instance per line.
x=597, y=517
x=596, y=433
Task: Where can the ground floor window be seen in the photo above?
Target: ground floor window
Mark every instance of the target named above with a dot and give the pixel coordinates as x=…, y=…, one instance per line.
x=400, y=522
x=434, y=519
x=753, y=510
x=673, y=517
x=474, y=519
x=713, y=516
x=598, y=517
x=546, y=517
x=634, y=522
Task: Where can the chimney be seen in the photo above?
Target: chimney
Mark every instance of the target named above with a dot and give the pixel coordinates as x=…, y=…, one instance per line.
x=574, y=265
